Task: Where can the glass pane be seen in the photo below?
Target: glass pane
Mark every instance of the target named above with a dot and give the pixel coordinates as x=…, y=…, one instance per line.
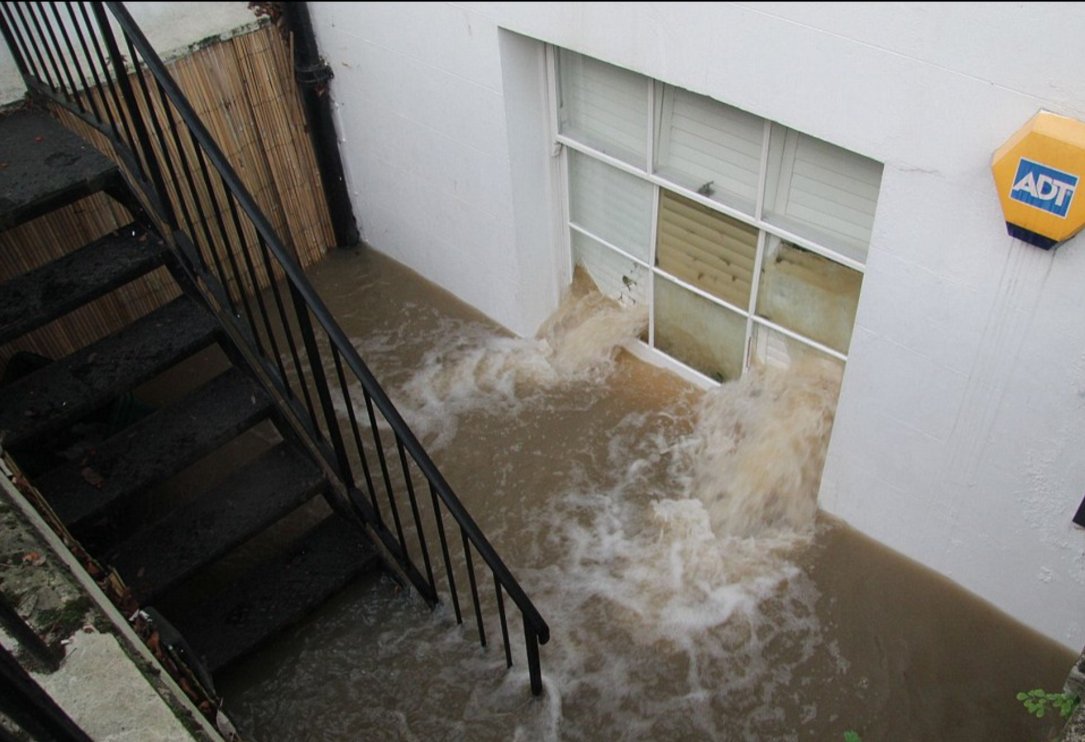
x=700, y=333
x=774, y=349
x=610, y=204
x=709, y=147
x=705, y=248
x=614, y=274
x=603, y=106
x=808, y=294
x=822, y=192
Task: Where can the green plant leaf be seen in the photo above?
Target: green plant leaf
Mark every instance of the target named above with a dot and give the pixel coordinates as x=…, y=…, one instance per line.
x=1037, y=702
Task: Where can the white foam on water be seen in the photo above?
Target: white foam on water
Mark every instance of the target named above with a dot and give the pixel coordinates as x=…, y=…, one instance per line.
x=663, y=559
x=667, y=565
x=470, y=367
x=756, y=456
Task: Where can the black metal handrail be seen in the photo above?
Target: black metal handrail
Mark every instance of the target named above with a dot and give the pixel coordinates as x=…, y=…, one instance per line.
x=241, y=266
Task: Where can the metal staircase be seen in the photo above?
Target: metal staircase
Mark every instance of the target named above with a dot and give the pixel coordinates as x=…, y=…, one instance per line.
x=290, y=367
x=100, y=493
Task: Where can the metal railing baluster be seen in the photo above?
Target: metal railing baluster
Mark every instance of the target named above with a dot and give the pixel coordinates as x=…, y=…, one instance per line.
x=280, y=308
x=414, y=513
x=353, y=419
x=71, y=54
x=34, y=11
x=42, y=70
x=383, y=464
x=88, y=89
x=124, y=132
x=144, y=152
x=13, y=36
x=444, y=554
x=504, y=621
x=474, y=587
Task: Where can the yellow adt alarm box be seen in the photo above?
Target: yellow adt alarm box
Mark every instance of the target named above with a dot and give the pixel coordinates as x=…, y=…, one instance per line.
x=1037, y=172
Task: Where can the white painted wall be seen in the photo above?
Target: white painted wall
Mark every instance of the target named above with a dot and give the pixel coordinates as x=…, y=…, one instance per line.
x=171, y=27
x=11, y=82
x=425, y=112
x=960, y=435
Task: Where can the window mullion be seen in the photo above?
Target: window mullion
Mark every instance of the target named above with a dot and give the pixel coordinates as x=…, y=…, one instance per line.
x=652, y=118
x=574, y=227
x=804, y=340
x=562, y=153
x=652, y=270
x=759, y=209
x=653, y=101
x=755, y=282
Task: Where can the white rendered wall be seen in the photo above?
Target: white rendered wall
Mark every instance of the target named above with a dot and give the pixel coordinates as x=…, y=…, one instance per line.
x=424, y=115
x=171, y=27
x=960, y=434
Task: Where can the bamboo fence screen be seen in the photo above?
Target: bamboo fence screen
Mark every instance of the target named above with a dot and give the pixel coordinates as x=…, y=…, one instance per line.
x=243, y=90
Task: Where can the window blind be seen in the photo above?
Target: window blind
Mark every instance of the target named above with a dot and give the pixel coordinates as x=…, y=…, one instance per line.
x=611, y=204
x=604, y=107
x=706, y=143
x=705, y=248
x=615, y=276
x=825, y=193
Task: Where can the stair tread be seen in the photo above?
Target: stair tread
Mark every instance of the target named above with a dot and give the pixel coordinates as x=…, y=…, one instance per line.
x=159, y=556
x=46, y=166
x=40, y=296
x=155, y=448
x=76, y=385
x=277, y=594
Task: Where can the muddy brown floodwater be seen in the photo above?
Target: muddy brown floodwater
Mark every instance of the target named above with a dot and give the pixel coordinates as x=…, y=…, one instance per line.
x=670, y=537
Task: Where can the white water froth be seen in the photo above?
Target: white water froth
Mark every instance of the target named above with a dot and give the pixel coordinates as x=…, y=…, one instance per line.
x=667, y=561
x=468, y=370
x=664, y=560
x=756, y=454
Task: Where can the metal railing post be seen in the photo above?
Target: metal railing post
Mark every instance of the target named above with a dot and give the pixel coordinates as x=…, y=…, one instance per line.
x=120, y=72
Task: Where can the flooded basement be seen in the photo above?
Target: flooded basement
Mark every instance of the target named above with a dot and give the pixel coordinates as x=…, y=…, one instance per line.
x=670, y=538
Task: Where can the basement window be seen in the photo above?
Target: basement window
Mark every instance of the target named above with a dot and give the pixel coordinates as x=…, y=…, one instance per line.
x=747, y=240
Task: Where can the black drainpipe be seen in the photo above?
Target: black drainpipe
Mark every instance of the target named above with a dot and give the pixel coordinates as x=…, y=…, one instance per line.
x=312, y=75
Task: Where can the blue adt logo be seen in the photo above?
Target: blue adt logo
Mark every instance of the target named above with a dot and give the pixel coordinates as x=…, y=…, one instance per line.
x=1043, y=187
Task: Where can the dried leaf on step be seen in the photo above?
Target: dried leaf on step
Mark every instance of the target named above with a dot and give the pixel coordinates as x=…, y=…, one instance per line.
x=33, y=558
x=92, y=477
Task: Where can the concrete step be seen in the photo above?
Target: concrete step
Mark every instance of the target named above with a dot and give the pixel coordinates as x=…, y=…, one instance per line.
x=46, y=166
x=253, y=498
x=65, y=391
x=155, y=448
x=42, y=295
x=278, y=594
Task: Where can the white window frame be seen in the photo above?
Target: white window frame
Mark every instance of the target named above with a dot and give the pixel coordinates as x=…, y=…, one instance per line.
x=647, y=350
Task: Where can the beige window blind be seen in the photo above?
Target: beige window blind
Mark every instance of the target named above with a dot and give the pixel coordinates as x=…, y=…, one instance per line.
x=706, y=249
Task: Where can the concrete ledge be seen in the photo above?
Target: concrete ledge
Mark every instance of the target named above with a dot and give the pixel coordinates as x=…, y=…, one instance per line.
x=100, y=688
x=108, y=682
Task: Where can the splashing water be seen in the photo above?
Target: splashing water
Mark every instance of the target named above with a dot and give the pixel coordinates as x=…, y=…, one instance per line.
x=667, y=534
x=756, y=456
x=469, y=369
